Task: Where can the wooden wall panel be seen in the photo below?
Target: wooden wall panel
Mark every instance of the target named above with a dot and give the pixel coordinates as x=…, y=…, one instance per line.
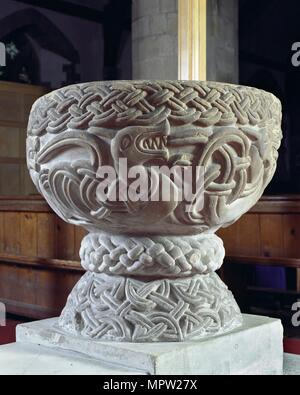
x=65, y=240
x=28, y=100
x=29, y=234
x=46, y=241
x=37, y=233
x=35, y=293
x=292, y=240
x=51, y=289
x=15, y=104
x=10, y=183
x=11, y=107
x=80, y=233
x=9, y=142
x=22, y=282
x=1, y=232
x=248, y=232
x=278, y=233
x=272, y=235
x=243, y=236
x=291, y=225
x=229, y=237
x=12, y=233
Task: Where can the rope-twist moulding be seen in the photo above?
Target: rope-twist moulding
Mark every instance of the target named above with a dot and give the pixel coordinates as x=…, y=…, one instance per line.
x=150, y=263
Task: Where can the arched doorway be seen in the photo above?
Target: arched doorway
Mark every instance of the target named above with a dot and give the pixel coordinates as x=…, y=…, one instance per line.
x=23, y=33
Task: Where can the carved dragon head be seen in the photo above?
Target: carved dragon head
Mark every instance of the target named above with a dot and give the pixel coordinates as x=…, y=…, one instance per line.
x=140, y=144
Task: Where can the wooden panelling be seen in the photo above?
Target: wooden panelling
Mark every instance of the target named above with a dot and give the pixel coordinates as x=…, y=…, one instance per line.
x=10, y=182
x=79, y=235
x=9, y=142
x=11, y=107
x=34, y=230
x=29, y=234
x=292, y=263
x=229, y=237
x=1, y=233
x=40, y=263
x=21, y=89
x=22, y=144
x=69, y=239
x=24, y=204
x=65, y=240
x=291, y=224
x=271, y=235
x=35, y=293
x=248, y=232
x=51, y=289
x=263, y=232
x=276, y=239
x=243, y=236
x=28, y=101
x=277, y=205
x=46, y=242
x=26, y=185
x=15, y=103
x=12, y=233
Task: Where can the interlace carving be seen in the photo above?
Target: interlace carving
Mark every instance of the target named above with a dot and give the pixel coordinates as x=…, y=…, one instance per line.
x=123, y=309
x=152, y=256
x=150, y=262
x=233, y=132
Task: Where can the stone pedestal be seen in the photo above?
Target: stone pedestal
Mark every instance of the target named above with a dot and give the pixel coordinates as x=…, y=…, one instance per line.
x=152, y=169
x=254, y=348
x=19, y=359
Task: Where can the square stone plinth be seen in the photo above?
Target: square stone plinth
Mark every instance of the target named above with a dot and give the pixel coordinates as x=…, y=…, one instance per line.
x=19, y=359
x=254, y=348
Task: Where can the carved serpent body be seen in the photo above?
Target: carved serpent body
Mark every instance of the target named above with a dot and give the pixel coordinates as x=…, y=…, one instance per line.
x=141, y=253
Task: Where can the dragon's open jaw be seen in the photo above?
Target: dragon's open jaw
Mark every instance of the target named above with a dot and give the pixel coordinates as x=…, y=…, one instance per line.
x=154, y=144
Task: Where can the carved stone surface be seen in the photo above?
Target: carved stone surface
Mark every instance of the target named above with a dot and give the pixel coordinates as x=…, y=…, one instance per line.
x=152, y=256
x=161, y=310
x=232, y=132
